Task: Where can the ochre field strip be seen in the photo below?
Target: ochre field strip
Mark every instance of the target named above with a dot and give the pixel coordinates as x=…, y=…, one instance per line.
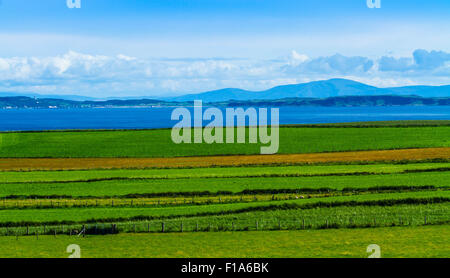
x=24, y=164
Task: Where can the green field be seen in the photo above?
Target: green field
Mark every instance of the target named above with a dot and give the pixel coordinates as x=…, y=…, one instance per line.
x=158, y=143
x=224, y=172
x=102, y=214
x=395, y=242
x=195, y=186
x=328, y=210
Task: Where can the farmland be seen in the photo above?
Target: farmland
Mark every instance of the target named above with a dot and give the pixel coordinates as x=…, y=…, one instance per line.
x=158, y=143
x=356, y=183
x=404, y=242
x=347, y=157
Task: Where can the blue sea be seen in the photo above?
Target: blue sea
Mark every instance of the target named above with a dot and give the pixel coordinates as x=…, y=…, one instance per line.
x=150, y=118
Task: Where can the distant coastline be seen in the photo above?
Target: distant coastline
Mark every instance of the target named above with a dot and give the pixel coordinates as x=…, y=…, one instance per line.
x=325, y=93
x=344, y=101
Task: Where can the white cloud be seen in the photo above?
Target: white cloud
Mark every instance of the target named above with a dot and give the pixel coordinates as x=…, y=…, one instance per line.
x=122, y=75
x=4, y=65
x=421, y=61
x=336, y=64
x=126, y=58
x=297, y=58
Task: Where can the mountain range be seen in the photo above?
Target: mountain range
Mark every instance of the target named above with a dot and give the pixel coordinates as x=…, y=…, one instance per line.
x=316, y=89
x=326, y=92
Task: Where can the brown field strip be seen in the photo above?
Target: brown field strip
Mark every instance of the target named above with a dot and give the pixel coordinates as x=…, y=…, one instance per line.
x=28, y=164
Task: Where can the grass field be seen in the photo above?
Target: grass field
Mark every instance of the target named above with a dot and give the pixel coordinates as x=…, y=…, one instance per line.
x=224, y=172
x=396, y=242
x=332, y=191
x=104, y=214
x=215, y=186
x=158, y=143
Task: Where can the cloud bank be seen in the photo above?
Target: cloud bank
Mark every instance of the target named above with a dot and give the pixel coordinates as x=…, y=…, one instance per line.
x=422, y=62
x=122, y=75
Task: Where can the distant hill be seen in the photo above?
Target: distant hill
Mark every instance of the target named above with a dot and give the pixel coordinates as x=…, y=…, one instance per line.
x=32, y=95
x=383, y=100
x=424, y=91
x=316, y=89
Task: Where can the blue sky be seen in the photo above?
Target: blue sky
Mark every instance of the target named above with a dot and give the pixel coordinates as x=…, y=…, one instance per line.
x=171, y=47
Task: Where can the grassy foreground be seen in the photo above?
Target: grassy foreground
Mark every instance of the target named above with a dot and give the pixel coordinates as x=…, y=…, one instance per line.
x=395, y=242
